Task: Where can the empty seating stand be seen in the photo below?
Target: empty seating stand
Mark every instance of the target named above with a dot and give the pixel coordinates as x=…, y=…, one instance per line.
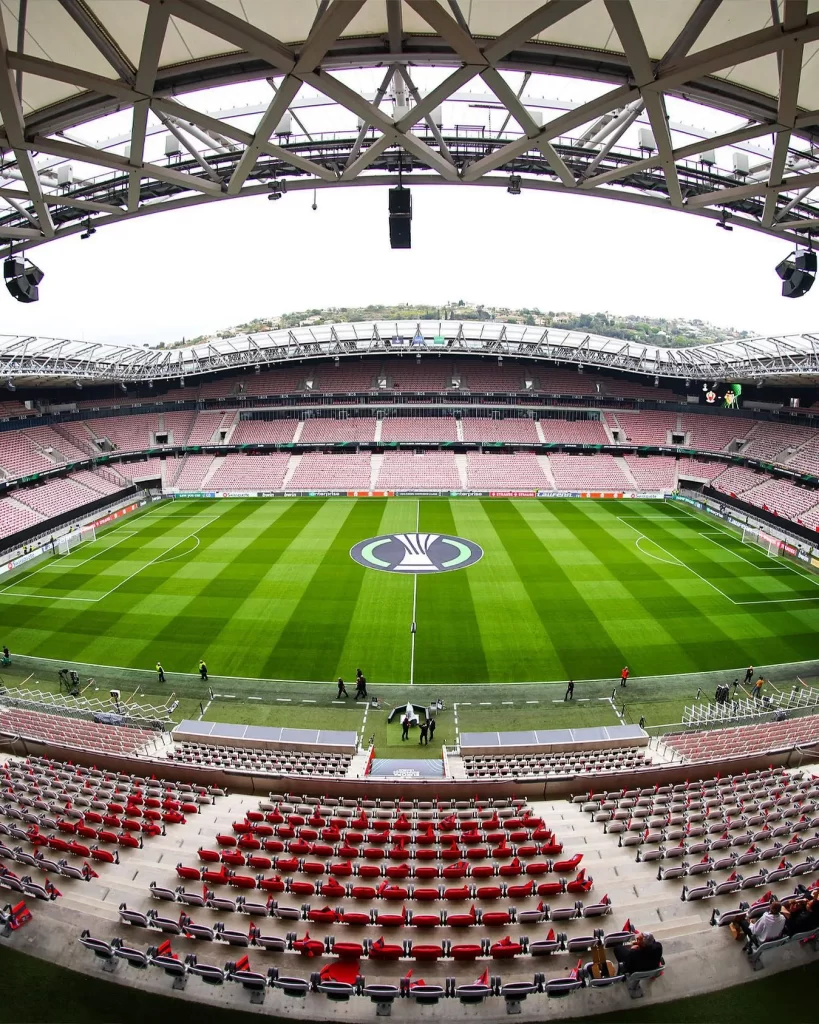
x=261, y=760
x=573, y=762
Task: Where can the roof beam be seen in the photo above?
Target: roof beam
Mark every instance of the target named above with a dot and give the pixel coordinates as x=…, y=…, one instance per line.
x=153, y=37
x=232, y=29
x=450, y=31
x=95, y=31
x=558, y=126
x=11, y=112
x=325, y=32
x=689, y=33
x=395, y=26
x=72, y=76
x=530, y=26
x=356, y=103
x=628, y=31
x=790, y=74
x=735, y=51
x=286, y=92
x=500, y=87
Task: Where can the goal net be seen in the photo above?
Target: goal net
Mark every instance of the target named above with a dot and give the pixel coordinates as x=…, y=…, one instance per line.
x=760, y=539
x=69, y=541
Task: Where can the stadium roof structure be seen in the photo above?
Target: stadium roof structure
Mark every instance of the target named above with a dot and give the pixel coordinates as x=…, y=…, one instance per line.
x=29, y=360
x=108, y=110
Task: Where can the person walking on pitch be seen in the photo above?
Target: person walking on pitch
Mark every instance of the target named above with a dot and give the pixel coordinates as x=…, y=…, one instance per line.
x=203, y=670
x=405, y=723
x=424, y=737
x=431, y=729
x=360, y=684
x=569, y=691
x=624, y=675
x=749, y=674
x=342, y=689
x=160, y=671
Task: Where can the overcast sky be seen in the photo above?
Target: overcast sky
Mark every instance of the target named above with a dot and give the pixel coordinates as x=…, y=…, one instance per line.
x=174, y=275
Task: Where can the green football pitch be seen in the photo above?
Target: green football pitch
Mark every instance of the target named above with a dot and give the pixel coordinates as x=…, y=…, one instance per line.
x=267, y=589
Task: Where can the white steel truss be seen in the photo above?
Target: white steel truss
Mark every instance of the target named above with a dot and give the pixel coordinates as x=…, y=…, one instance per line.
x=59, y=360
x=76, y=61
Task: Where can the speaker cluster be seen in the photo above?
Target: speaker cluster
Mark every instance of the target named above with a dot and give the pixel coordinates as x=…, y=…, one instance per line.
x=798, y=272
x=22, y=278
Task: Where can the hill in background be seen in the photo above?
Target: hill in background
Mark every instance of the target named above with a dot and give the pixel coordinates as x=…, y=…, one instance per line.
x=630, y=327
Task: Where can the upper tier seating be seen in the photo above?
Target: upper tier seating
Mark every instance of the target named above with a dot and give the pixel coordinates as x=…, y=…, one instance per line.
x=21, y=456
x=127, y=433
x=177, y=425
x=514, y=428
x=561, y=762
x=15, y=516
x=419, y=428
x=768, y=440
x=261, y=760
x=317, y=472
x=78, y=435
x=264, y=432
x=250, y=473
x=347, y=378
x=204, y=429
x=657, y=473
x=575, y=431
x=713, y=433
x=54, y=497
x=433, y=471
x=355, y=428
x=587, y=473
x=63, y=449
x=12, y=407
x=737, y=480
x=411, y=376
x=647, y=427
x=505, y=472
x=745, y=739
x=116, y=739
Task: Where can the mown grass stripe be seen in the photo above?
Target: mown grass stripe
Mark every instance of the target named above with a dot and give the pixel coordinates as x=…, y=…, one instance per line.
x=315, y=633
x=448, y=644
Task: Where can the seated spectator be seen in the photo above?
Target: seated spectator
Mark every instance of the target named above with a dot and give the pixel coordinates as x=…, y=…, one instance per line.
x=802, y=916
x=767, y=928
x=644, y=954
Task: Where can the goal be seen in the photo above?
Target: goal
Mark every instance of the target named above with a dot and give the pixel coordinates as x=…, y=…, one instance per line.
x=769, y=544
x=69, y=541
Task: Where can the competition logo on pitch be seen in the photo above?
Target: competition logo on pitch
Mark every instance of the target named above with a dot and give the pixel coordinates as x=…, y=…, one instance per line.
x=420, y=553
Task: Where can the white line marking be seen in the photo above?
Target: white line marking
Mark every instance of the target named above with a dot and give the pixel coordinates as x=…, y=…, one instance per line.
x=727, y=532
x=414, y=601
x=52, y=563
x=678, y=562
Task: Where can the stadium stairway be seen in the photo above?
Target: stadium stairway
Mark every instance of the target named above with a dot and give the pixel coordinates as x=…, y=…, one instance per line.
x=214, y=466
x=621, y=462
x=545, y=465
x=292, y=465
x=698, y=958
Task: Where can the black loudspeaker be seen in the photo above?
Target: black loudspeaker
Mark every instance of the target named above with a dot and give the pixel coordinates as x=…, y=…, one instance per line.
x=799, y=283
x=400, y=202
x=400, y=237
x=806, y=261
x=22, y=280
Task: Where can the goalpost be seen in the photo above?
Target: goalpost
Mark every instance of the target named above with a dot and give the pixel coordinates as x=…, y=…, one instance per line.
x=69, y=541
x=769, y=545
